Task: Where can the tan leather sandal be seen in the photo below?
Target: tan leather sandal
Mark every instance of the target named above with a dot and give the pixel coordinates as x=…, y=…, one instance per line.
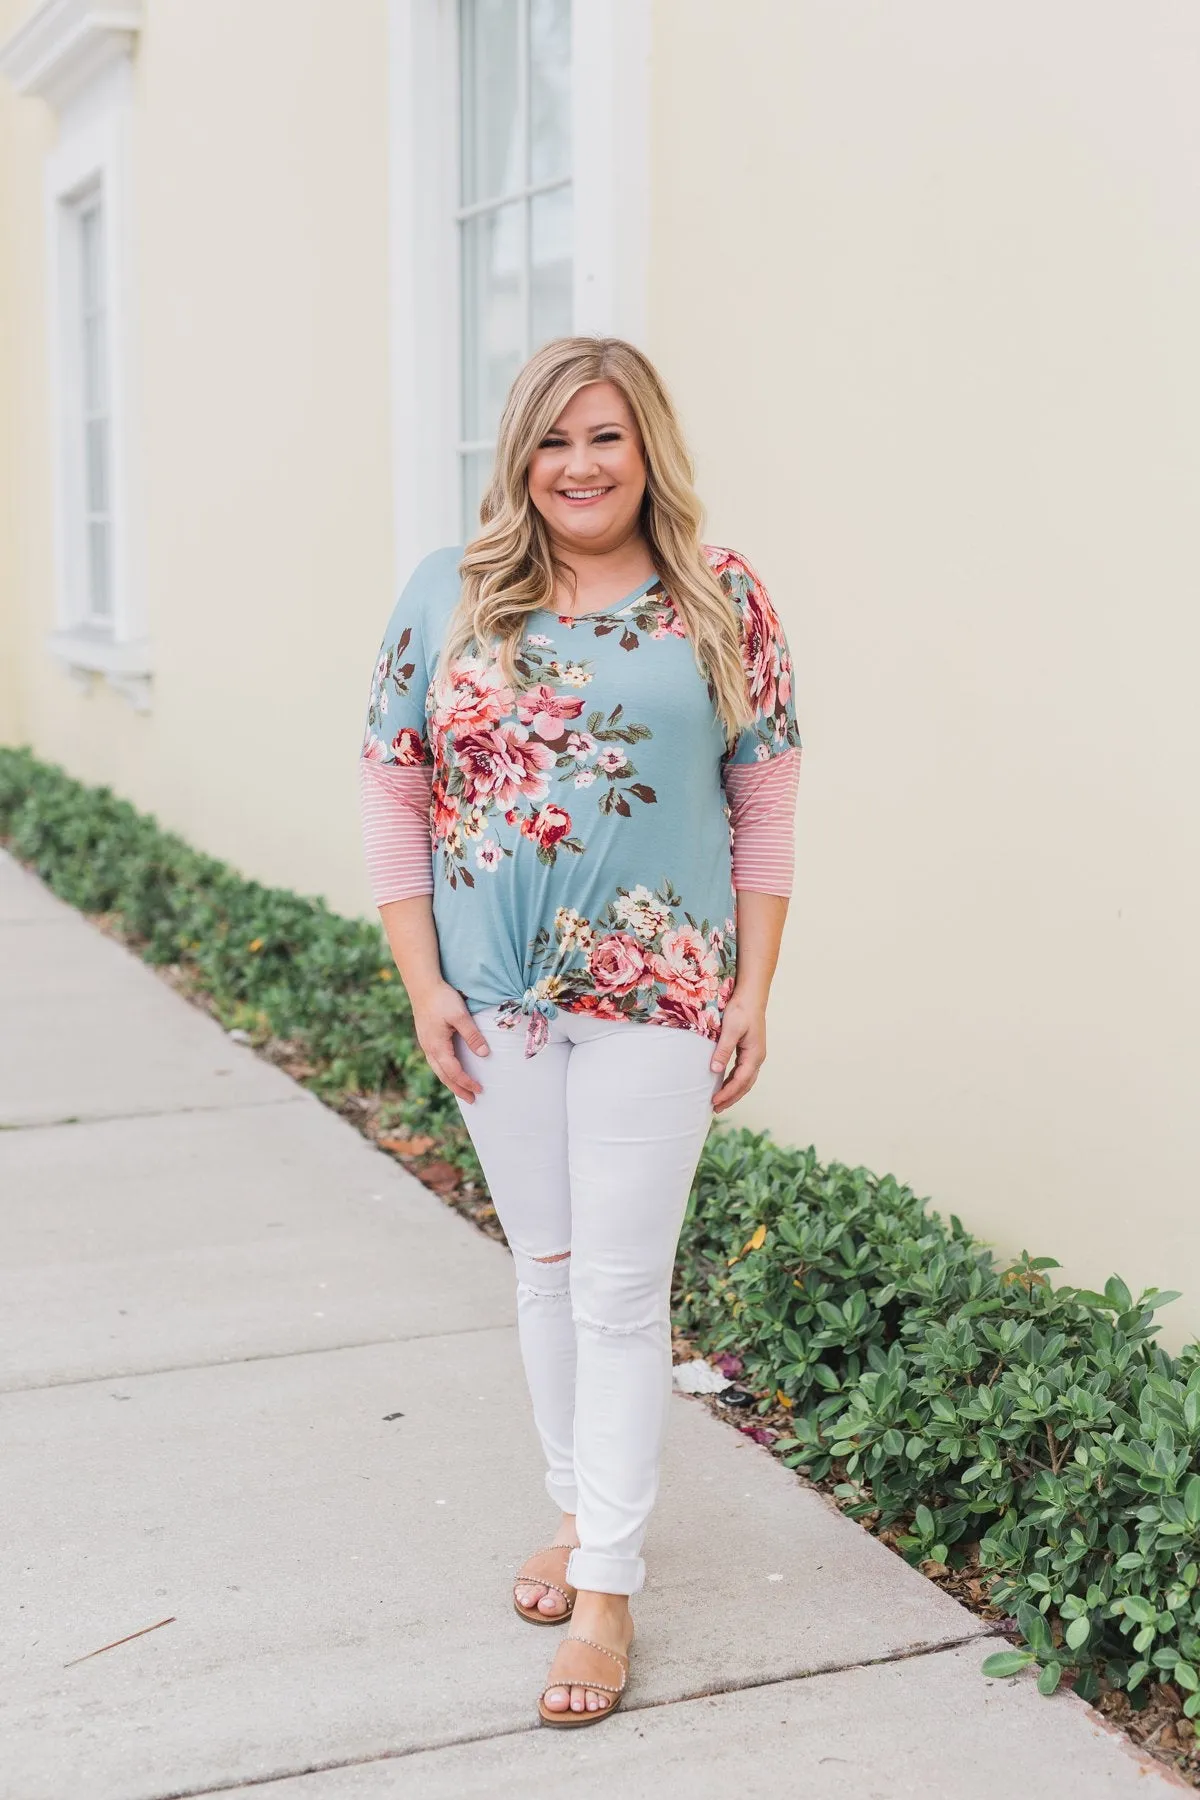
x=524, y=1579
x=566, y=1716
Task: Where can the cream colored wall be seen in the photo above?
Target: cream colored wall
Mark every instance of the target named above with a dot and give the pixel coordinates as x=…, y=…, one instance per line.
x=926, y=281
x=261, y=166
x=25, y=568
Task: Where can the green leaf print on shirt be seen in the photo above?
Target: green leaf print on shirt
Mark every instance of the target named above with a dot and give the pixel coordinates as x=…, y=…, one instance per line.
x=641, y=958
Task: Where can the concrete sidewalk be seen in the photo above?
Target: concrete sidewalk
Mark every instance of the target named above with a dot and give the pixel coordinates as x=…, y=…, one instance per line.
x=258, y=1381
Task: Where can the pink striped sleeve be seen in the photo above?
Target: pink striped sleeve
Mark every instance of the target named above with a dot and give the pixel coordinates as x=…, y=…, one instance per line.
x=762, y=808
x=397, y=841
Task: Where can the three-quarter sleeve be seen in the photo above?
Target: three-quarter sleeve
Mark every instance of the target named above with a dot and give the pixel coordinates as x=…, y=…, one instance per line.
x=395, y=762
x=761, y=770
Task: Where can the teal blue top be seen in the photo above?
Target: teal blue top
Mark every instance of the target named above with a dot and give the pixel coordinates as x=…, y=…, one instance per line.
x=581, y=841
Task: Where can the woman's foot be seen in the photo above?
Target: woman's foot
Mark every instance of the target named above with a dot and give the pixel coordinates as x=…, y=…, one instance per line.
x=535, y=1596
x=606, y=1620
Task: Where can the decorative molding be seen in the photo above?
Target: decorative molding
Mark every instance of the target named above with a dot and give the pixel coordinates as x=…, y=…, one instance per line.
x=126, y=666
x=65, y=44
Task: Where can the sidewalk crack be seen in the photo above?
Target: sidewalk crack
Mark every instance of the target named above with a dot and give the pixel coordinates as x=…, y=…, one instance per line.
x=907, y=1654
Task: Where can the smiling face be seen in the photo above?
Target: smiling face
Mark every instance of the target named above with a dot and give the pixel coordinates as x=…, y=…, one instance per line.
x=588, y=475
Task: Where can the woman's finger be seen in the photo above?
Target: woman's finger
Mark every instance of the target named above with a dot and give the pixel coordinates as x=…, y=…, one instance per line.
x=457, y=1080
x=448, y=1068
x=469, y=1031
x=727, y=1043
x=744, y=1075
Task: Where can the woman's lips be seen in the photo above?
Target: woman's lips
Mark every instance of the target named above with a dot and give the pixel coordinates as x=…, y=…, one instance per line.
x=591, y=498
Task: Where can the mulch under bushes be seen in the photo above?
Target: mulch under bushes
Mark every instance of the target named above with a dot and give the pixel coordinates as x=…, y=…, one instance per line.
x=1028, y=1446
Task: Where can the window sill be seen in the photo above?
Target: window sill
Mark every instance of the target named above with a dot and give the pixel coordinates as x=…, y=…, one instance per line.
x=125, y=666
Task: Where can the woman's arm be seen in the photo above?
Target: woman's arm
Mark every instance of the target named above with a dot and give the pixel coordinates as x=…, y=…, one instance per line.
x=439, y=1010
x=760, y=920
x=762, y=804
x=397, y=845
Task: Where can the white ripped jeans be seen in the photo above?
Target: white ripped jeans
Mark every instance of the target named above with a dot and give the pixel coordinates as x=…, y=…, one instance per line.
x=589, y=1148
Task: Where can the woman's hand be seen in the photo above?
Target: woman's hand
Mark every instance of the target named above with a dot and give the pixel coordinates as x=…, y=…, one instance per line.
x=744, y=1029
x=437, y=1015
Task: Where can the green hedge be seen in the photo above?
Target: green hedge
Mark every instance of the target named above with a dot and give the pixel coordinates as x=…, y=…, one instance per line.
x=977, y=1405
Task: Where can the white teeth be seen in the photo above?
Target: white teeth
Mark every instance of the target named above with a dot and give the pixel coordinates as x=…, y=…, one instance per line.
x=584, y=493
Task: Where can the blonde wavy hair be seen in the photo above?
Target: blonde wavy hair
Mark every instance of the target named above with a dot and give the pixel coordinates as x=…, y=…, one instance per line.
x=508, y=571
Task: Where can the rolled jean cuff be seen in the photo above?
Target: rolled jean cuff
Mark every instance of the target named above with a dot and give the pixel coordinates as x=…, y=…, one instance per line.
x=563, y=1492
x=603, y=1574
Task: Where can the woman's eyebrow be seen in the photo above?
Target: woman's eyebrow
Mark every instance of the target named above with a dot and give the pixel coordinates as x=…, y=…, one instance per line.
x=612, y=425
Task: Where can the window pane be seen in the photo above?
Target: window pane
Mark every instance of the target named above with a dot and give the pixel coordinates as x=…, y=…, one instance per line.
x=96, y=458
x=549, y=89
x=491, y=129
x=493, y=326
x=550, y=273
x=98, y=568
x=476, y=473
x=94, y=353
x=90, y=226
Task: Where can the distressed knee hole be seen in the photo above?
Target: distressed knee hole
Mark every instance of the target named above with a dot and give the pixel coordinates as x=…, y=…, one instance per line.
x=609, y=1328
x=543, y=1277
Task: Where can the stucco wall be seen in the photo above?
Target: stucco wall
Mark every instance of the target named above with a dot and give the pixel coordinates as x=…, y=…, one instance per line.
x=261, y=168
x=25, y=568
x=926, y=281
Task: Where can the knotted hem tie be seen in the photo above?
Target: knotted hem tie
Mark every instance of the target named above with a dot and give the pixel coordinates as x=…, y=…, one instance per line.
x=534, y=1007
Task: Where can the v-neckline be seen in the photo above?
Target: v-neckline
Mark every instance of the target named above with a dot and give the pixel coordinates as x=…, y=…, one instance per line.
x=613, y=612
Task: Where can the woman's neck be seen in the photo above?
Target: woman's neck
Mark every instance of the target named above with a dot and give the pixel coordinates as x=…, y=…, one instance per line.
x=590, y=579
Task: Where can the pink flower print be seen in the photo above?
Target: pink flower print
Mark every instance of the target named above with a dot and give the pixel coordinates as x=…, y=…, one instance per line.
x=487, y=854
x=674, y=1009
x=479, y=698
x=547, y=826
x=761, y=640
x=408, y=747
x=544, y=711
x=611, y=760
x=686, y=966
x=580, y=744
x=617, y=964
x=670, y=625
x=724, y=992
x=445, y=812
x=499, y=766
x=374, y=749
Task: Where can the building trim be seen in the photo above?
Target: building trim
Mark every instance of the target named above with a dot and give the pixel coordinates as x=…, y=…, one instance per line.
x=64, y=45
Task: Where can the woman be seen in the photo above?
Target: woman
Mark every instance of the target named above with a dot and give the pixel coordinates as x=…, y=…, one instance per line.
x=587, y=716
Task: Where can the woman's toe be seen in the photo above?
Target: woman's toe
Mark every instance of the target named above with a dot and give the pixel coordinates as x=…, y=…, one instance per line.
x=550, y=1602
x=557, y=1699
x=577, y=1694
x=529, y=1594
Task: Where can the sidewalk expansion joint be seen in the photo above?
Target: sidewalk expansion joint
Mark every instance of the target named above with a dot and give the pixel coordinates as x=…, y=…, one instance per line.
x=254, y=1356
x=159, y=1112
x=908, y=1654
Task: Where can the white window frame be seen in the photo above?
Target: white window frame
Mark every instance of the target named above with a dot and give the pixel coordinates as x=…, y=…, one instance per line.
x=610, y=101
x=77, y=56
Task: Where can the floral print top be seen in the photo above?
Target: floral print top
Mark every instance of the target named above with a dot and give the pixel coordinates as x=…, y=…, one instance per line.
x=581, y=837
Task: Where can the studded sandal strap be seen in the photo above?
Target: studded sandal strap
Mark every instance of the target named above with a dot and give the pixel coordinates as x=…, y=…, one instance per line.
x=585, y=1681
x=540, y=1581
x=520, y=1580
